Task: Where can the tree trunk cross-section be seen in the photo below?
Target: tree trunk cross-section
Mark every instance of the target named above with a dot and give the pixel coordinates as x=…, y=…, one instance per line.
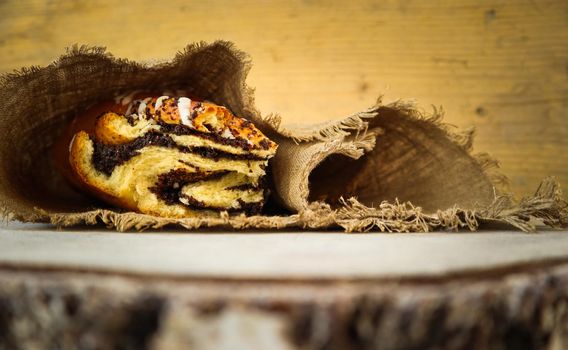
x=520, y=308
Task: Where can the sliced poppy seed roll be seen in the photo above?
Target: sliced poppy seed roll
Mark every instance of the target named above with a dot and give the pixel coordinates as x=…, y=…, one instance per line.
x=174, y=157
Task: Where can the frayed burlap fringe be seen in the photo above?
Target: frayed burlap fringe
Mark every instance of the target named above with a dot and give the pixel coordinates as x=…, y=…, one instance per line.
x=545, y=207
x=420, y=170
x=317, y=215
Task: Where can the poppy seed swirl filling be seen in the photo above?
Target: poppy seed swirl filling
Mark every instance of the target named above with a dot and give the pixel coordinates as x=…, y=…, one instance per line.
x=175, y=157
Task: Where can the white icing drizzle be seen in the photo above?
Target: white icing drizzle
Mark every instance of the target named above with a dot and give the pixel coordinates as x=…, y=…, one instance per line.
x=227, y=134
x=184, y=200
x=159, y=101
x=184, y=108
x=142, y=105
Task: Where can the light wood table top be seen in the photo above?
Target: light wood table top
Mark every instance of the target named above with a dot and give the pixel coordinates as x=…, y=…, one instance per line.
x=277, y=255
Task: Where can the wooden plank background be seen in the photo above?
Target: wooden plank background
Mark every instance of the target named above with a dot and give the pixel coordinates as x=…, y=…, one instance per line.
x=501, y=66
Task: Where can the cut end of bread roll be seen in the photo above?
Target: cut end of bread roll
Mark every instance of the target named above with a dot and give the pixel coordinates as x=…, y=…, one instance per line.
x=174, y=157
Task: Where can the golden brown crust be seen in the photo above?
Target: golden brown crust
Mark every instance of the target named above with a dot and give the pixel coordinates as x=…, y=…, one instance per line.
x=82, y=122
x=104, y=131
x=76, y=149
x=201, y=116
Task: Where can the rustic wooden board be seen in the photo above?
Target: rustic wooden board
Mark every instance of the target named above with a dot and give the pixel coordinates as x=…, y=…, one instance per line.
x=294, y=290
x=278, y=256
x=501, y=66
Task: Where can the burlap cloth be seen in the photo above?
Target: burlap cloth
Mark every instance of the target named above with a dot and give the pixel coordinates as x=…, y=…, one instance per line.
x=390, y=168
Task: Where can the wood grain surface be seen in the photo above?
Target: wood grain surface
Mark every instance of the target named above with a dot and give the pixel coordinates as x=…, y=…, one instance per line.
x=296, y=255
x=294, y=290
x=501, y=66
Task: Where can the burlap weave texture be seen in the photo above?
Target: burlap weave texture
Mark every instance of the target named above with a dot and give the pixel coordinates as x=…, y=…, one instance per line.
x=390, y=168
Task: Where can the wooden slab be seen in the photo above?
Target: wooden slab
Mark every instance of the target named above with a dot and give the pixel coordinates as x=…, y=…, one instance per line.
x=292, y=290
x=296, y=255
